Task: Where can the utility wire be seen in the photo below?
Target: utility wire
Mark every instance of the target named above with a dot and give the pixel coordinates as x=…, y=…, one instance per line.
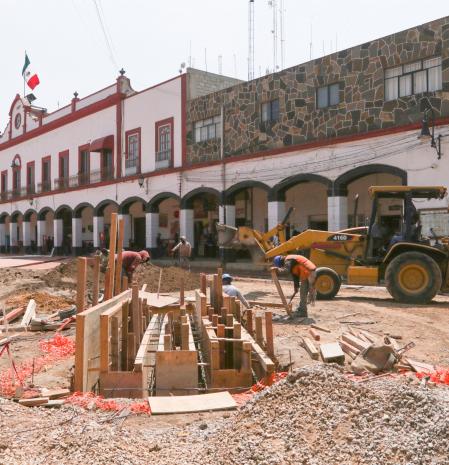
x=105, y=35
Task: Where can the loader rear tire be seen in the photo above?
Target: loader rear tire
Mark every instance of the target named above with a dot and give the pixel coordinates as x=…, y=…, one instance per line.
x=413, y=277
x=327, y=283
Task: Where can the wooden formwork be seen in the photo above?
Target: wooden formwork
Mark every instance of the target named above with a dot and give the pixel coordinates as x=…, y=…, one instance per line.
x=176, y=358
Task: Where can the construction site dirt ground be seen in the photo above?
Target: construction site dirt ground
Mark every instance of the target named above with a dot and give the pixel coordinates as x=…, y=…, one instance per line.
x=370, y=308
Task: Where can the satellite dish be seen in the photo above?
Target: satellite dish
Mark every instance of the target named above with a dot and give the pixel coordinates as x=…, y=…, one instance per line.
x=183, y=65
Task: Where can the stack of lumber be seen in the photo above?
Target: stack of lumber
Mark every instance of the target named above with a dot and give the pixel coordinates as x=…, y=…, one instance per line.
x=46, y=398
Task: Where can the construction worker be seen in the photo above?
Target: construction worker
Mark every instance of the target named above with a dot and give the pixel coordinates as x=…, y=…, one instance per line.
x=303, y=272
x=131, y=260
x=184, y=250
x=231, y=290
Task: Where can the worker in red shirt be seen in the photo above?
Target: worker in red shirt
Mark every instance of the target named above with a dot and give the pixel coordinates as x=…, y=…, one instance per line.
x=303, y=272
x=131, y=260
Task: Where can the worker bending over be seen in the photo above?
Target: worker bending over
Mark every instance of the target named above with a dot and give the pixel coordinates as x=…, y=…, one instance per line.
x=130, y=261
x=231, y=290
x=303, y=272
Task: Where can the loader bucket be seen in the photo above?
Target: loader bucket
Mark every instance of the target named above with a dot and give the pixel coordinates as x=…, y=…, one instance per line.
x=226, y=235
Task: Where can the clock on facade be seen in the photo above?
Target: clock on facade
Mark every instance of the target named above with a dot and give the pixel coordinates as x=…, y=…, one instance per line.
x=18, y=120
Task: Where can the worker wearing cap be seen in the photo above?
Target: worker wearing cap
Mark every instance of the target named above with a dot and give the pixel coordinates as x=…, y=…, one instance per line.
x=131, y=260
x=231, y=290
x=303, y=272
x=185, y=251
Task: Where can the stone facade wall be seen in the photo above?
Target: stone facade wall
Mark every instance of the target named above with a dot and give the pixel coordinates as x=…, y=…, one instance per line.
x=359, y=71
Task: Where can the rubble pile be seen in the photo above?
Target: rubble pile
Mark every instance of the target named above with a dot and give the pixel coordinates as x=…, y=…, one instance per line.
x=316, y=416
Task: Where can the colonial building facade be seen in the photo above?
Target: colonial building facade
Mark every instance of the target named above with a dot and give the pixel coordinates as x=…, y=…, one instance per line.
x=201, y=148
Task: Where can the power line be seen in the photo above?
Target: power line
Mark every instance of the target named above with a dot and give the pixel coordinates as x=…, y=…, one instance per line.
x=105, y=35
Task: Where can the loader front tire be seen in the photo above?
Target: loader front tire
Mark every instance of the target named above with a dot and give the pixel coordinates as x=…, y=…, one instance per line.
x=413, y=277
x=327, y=283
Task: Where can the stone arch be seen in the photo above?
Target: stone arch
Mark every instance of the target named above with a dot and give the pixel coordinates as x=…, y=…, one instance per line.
x=60, y=210
x=187, y=200
x=15, y=216
x=340, y=185
x=99, y=209
x=277, y=192
x=3, y=217
x=27, y=215
x=78, y=210
x=124, y=206
x=232, y=191
x=43, y=213
x=153, y=205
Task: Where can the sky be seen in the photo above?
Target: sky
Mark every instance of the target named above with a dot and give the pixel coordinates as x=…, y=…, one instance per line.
x=80, y=45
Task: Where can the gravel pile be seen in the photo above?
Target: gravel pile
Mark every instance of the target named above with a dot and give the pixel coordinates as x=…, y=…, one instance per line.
x=315, y=417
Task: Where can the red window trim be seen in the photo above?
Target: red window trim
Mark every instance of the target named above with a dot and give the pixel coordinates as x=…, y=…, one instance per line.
x=132, y=132
x=45, y=159
x=4, y=180
x=159, y=124
x=101, y=161
x=30, y=163
x=63, y=154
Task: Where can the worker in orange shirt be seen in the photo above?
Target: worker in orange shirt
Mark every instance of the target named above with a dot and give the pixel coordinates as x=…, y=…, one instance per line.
x=303, y=272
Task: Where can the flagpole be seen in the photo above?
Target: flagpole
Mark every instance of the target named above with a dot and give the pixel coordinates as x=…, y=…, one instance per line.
x=23, y=76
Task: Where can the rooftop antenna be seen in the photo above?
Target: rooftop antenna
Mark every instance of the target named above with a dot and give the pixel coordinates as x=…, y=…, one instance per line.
x=220, y=64
x=205, y=58
x=282, y=31
x=190, y=54
x=251, y=40
x=273, y=5
x=336, y=42
x=235, y=65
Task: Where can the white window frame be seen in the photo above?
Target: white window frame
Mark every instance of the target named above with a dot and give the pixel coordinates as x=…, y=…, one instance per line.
x=327, y=90
x=207, y=129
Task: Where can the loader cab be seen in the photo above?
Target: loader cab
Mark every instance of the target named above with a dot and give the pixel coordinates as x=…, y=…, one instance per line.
x=395, y=218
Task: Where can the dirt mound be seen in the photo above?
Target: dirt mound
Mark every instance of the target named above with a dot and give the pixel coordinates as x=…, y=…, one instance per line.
x=64, y=276
x=46, y=303
x=171, y=278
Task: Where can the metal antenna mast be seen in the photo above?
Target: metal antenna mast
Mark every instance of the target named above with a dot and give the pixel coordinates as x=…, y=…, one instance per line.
x=273, y=5
x=251, y=40
x=282, y=32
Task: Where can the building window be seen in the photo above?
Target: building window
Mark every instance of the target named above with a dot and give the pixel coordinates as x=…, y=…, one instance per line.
x=132, y=153
x=30, y=178
x=84, y=166
x=270, y=111
x=16, y=181
x=413, y=78
x=328, y=95
x=46, y=174
x=207, y=129
x=63, y=181
x=4, y=185
x=164, y=143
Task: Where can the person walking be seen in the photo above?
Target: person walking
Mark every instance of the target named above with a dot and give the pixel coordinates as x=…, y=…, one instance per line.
x=184, y=250
x=303, y=272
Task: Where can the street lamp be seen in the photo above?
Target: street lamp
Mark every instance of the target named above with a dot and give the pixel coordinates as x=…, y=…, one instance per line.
x=429, y=117
x=141, y=180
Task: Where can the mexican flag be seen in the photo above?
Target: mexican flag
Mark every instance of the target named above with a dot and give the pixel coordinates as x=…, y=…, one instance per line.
x=28, y=75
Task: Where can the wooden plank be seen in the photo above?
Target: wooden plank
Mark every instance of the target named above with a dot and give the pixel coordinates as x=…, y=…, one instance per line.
x=123, y=384
x=176, y=372
x=124, y=335
x=87, y=353
x=219, y=288
x=55, y=393
x=269, y=333
x=111, y=258
x=249, y=322
x=310, y=348
x=131, y=351
x=314, y=334
x=185, y=328
x=203, y=283
x=259, y=330
x=107, y=283
x=33, y=402
x=115, y=350
x=96, y=280
x=355, y=341
x=30, y=313
x=420, y=366
x=118, y=268
x=261, y=303
x=260, y=356
x=320, y=328
x=135, y=311
x=348, y=349
x=332, y=353
x=12, y=315
x=125, y=284
x=274, y=275
x=181, y=291
x=81, y=275
x=159, y=302
x=190, y=404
